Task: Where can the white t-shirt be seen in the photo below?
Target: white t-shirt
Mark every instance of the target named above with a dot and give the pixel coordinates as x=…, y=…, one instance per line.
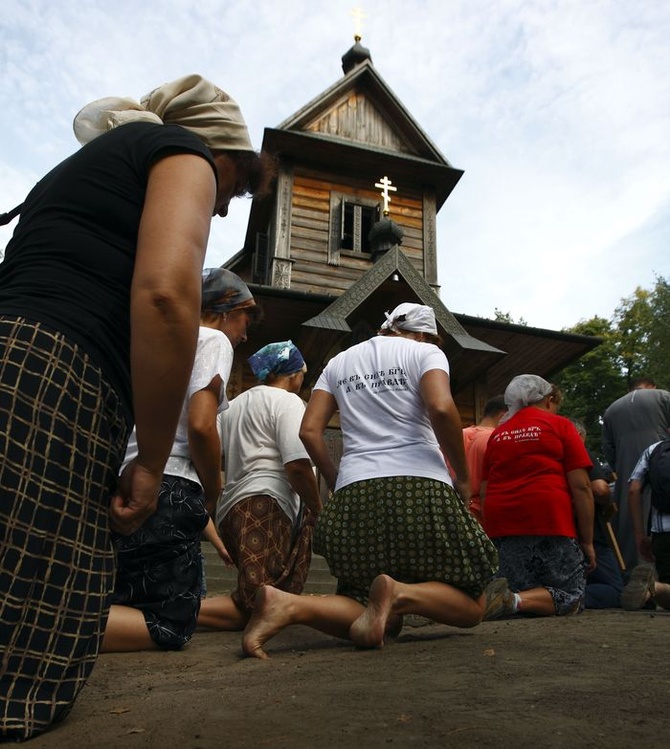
x=259, y=435
x=659, y=521
x=385, y=427
x=213, y=356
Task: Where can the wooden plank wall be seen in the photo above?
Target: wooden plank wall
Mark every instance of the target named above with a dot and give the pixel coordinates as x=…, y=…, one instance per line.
x=355, y=117
x=310, y=227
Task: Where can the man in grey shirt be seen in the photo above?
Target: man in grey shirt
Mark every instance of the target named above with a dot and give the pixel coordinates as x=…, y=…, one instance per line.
x=630, y=425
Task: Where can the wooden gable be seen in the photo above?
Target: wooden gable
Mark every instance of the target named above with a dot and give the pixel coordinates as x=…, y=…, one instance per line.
x=362, y=108
x=391, y=281
x=355, y=117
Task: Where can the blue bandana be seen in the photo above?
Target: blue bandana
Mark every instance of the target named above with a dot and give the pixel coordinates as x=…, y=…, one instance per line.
x=223, y=291
x=276, y=358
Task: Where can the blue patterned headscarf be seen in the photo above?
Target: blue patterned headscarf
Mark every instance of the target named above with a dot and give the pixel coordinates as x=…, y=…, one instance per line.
x=224, y=291
x=281, y=358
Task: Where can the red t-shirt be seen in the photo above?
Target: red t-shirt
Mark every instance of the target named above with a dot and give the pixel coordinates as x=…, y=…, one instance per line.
x=526, y=464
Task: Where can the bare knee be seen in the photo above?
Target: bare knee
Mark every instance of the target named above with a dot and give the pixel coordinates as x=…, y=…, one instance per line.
x=475, y=614
x=474, y=617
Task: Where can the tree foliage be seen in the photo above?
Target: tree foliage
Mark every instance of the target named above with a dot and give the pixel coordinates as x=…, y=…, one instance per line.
x=632, y=327
x=658, y=343
x=594, y=381
x=636, y=343
x=506, y=317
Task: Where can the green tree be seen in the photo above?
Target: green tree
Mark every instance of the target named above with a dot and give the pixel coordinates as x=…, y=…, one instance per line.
x=633, y=320
x=506, y=317
x=658, y=340
x=635, y=343
x=594, y=381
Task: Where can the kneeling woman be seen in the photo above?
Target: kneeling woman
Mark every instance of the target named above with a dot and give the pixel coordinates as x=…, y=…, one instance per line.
x=267, y=510
x=537, y=505
x=159, y=579
x=397, y=536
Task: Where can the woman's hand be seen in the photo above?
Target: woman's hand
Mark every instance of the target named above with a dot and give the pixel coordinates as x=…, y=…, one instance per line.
x=223, y=554
x=211, y=534
x=464, y=490
x=135, y=499
x=590, y=556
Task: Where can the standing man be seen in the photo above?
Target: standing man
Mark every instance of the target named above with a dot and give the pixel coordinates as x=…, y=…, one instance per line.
x=630, y=425
x=475, y=439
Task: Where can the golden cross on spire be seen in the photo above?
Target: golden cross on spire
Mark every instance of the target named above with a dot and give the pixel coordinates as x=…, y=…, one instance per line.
x=358, y=15
x=385, y=185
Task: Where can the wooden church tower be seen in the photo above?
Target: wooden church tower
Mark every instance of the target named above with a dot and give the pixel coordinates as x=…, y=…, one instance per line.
x=350, y=232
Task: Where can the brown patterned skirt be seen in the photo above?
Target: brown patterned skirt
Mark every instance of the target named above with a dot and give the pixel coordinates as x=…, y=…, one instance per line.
x=62, y=437
x=266, y=548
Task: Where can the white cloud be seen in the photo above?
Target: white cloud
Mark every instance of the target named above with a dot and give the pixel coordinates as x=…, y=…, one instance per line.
x=557, y=111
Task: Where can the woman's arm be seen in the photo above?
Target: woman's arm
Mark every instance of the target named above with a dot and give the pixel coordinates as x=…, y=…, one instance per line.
x=318, y=413
x=642, y=540
x=303, y=482
x=446, y=422
x=203, y=440
x=210, y=534
x=582, y=501
x=601, y=492
x=164, y=319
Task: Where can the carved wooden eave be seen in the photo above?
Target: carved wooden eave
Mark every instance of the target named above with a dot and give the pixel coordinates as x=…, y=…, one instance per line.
x=390, y=281
x=529, y=350
x=325, y=151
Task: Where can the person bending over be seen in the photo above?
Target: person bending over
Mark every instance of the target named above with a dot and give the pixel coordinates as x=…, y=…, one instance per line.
x=99, y=308
x=159, y=578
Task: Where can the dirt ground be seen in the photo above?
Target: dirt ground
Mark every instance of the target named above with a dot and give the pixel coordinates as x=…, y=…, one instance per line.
x=601, y=679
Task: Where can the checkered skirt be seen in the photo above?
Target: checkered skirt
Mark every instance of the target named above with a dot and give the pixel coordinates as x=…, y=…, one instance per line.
x=62, y=438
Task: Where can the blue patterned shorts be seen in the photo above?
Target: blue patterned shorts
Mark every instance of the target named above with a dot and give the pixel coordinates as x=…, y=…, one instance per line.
x=552, y=562
x=159, y=568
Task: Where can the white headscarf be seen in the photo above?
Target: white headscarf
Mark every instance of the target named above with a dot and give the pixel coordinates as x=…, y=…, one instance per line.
x=416, y=318
x=192, y=102
x=525, y=390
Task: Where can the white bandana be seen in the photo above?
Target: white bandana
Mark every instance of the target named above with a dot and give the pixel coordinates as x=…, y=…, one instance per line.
x=416, y=318
x=192, y=102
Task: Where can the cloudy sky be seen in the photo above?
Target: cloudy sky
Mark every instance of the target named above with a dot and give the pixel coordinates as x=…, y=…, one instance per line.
x=557, y=110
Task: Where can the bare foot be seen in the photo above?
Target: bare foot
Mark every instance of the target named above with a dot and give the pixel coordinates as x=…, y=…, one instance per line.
x=394, y=626
x=269, y=617
x=368, y=630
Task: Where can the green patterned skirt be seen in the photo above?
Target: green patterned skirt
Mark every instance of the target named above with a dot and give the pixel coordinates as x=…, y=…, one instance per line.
x=413, y=529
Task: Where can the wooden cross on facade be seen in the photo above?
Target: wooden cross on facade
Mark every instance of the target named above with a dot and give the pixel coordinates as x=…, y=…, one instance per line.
x=385, y=185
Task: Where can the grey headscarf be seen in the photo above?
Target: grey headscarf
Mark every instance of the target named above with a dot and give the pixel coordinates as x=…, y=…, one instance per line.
x=525, y=390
